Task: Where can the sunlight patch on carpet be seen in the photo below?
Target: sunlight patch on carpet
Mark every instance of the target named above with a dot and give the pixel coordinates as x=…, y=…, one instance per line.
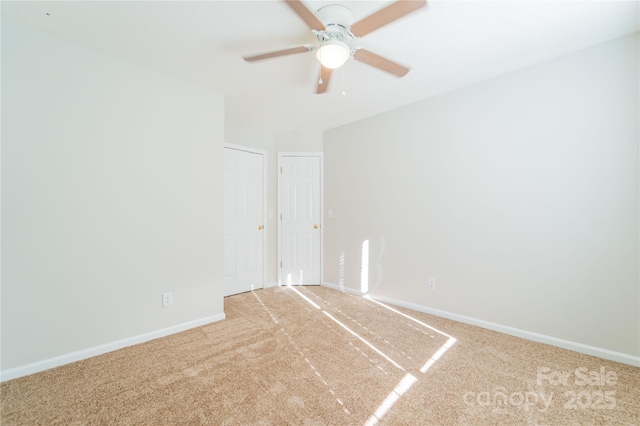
x=311, y=302
x=436, y=356
x=363, y=340
x=405, y=384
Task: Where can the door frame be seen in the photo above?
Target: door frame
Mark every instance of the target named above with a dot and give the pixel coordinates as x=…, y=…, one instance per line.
x=264, y=202
x=281, y=155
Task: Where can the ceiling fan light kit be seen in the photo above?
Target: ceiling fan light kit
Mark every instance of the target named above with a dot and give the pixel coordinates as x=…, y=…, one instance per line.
x=335, y=27
x=333, y=53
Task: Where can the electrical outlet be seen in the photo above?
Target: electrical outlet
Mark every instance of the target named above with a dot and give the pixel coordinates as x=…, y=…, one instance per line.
x=432, y=284
x=167, y=299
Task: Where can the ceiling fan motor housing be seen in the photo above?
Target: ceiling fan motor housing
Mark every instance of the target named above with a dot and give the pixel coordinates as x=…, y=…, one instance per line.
x=337, y=20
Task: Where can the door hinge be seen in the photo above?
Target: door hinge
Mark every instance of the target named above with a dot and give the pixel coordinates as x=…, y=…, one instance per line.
x=280, y=169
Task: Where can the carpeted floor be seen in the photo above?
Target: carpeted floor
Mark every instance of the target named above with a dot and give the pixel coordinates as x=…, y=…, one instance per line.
x=316, y=356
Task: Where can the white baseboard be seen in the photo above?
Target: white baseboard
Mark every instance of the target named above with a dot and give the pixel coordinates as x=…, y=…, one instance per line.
x=36, y=367
x=529, y=335
x=343, y=288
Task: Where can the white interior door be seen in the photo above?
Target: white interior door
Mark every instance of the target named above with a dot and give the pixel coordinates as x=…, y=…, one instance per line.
x=300, y=208
x=243, y=220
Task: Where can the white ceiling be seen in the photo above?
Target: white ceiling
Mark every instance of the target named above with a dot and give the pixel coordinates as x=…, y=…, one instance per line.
x=447, y=45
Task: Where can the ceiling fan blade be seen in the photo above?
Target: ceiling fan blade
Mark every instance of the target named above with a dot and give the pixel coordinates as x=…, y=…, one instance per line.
x=307, y=16
x=323, y=81
x=379, y=62
x=283, y=52
x=385, y=16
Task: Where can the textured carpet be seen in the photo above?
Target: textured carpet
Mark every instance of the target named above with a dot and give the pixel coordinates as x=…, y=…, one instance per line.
x=316, y=356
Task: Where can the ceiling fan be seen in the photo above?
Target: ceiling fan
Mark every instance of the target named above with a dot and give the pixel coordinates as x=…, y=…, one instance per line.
x=339, y=27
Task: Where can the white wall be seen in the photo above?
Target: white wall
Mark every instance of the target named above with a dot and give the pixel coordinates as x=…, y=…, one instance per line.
x=111, y=195
x=299, y=141
x=519, y=195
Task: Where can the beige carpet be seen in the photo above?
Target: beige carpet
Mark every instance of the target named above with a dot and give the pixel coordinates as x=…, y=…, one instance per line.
x=315, y=356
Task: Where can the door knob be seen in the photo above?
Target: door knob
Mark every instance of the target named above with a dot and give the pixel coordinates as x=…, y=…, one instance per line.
x=260, y=227
x=316, y=226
